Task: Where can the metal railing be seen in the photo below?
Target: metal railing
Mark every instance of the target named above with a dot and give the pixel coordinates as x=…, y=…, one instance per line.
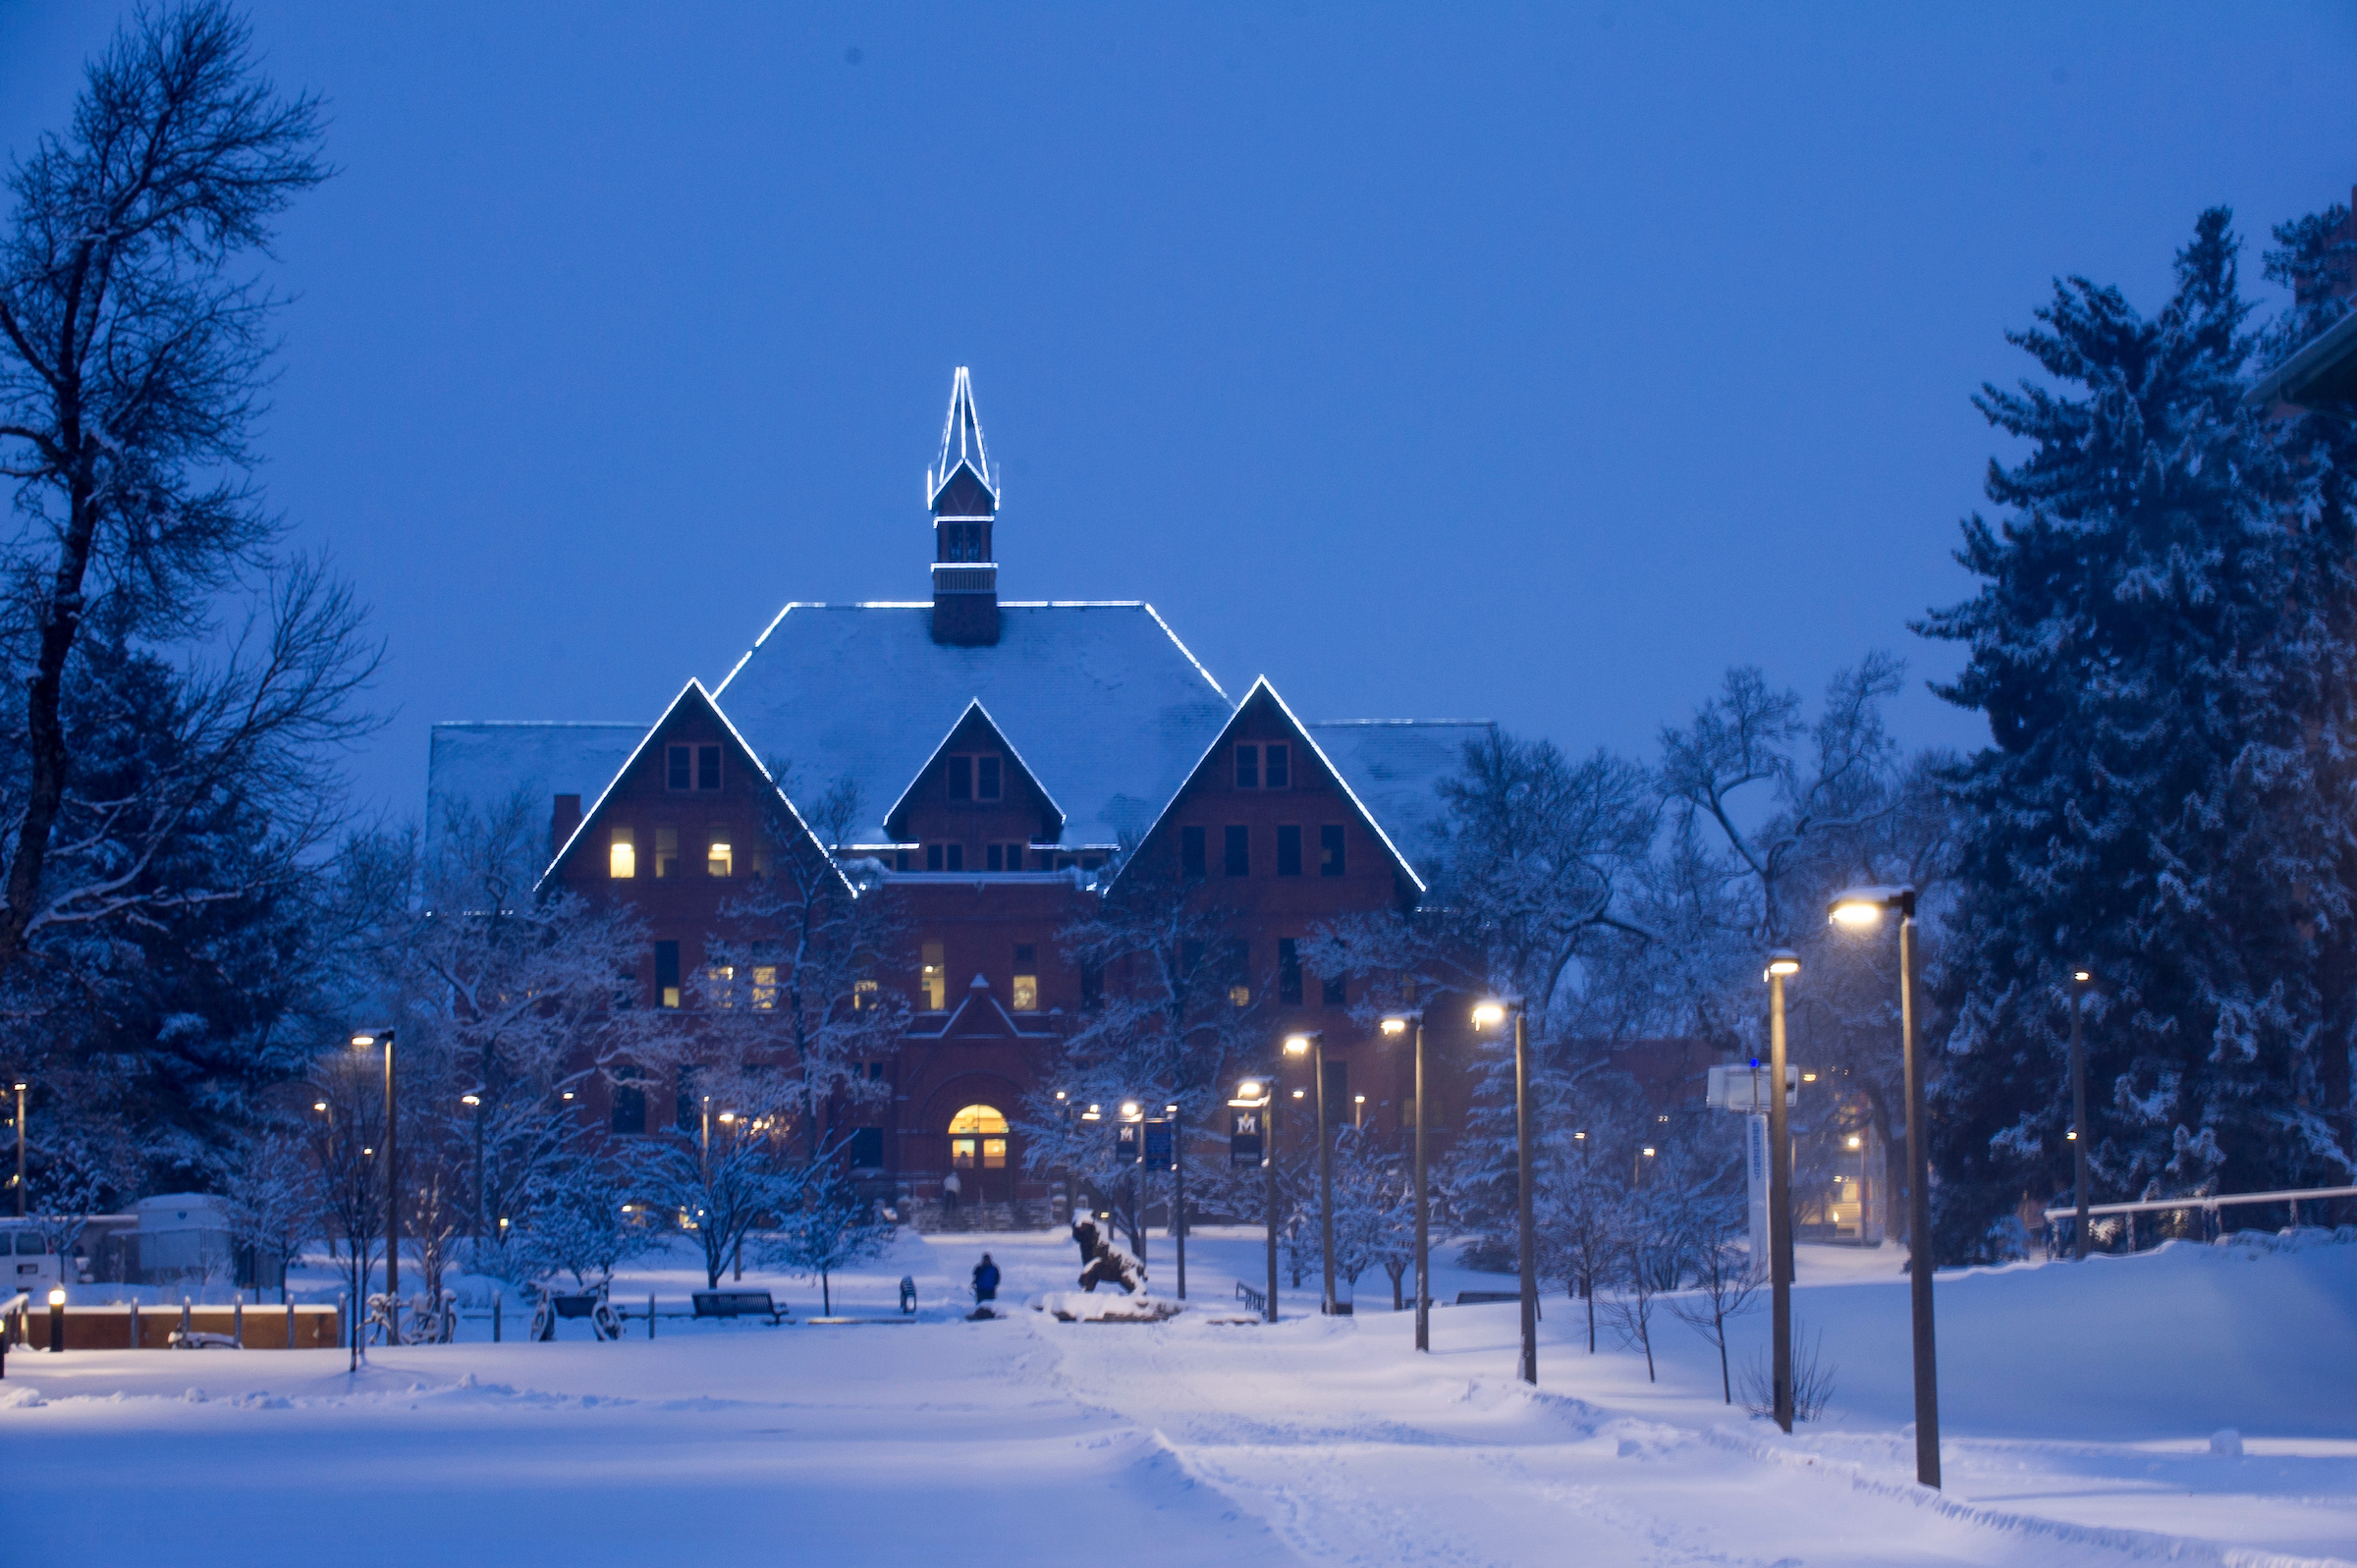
x=2209, y=1205
x=1258, y=1300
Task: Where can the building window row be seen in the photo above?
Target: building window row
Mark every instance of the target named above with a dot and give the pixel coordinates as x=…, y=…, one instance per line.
x=933, y=978
x=947, y=857
x=1236, y=850
x=719, y=854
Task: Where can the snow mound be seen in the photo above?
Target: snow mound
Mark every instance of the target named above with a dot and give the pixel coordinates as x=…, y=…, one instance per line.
x=1080, y=1306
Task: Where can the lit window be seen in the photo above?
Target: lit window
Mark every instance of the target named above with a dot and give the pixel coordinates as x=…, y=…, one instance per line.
x=719, y=860
x=1026, y=978
x=864, y=994
x=622, y=856
x=667, y=974
x=935, y=979
x=1279, y=773
x=994, y=1154
x=667, y=852
x=720, y=981
x=765, y=985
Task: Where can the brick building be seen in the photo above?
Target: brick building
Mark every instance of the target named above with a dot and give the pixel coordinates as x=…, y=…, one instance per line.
x=981, y=763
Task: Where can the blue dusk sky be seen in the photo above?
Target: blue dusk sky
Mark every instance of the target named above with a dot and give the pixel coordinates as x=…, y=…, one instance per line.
x=1532, y=363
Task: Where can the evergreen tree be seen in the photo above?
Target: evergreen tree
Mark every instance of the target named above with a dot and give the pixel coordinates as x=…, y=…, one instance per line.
x=2160, y=645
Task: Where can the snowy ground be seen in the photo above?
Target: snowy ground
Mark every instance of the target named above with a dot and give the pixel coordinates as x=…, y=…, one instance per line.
x=2078, y=1402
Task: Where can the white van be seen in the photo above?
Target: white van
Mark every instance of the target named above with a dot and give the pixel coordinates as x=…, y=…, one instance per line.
x=26, y=1261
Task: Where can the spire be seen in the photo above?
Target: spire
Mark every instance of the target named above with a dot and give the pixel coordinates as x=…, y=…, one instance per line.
x=962, y=494
x=960, y=446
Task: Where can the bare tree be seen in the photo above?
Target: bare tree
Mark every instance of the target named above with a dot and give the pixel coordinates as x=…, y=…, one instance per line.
x=274, y=1203
x=132, y=365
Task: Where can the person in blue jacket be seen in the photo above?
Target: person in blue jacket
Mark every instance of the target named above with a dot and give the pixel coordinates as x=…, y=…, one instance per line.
x=986, y=1281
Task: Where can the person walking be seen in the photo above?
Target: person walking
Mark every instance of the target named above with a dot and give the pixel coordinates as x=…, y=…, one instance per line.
x=986, y=1281
x=950, y=1187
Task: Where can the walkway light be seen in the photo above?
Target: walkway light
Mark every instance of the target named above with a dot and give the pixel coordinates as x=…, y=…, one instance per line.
x=1394, y=1025
x=1296, y=1044
x=1489, y=1013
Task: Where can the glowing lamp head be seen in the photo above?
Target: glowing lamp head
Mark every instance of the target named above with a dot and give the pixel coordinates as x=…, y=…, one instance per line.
x=1129, y=1108
x=1649, y=1151
x=726, y=1116
x=1060, y=1094
x=2080, y=975
x=1296, y=1044
x=319, y=1105
x=57, y=1295
x=1394, y=1025
x=1249, y=1089
x=1853, y=1141
x=2070, y=1137
x=1300, y=1093
x=363, y=1042
x=1580, y=1136
x=470, y=1099
x=1783, y=962
x=1856, y=914
x=1488, y=1015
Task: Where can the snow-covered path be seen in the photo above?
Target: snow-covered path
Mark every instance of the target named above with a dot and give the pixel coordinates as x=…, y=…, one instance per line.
x=1317, y=1440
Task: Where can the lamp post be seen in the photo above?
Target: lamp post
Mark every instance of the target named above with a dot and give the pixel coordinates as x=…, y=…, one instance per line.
x=1862, y=908
x=1253, y=1095
x=2078, y=1116
x=1782, y=963
x=20, y=1149
x=1313, y=1045
x=474, y=1103
x=1136, y=1114
x=706, y=1156
x=363, y=1042
x=1397, y=1024
x=1489, y=1014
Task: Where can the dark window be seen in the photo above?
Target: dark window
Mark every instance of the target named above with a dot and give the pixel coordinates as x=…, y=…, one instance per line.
x=900, y=860
x=1247, y=767
x=994, y=858
x=986, y=778
x=956, y=853
x=1289, y=850
x=1024, y=956
x=630, y=1108
x=690, y=1113
x=865, y=1151
x=667, y=974
x=1333, y=988
x=1280, y=766
x=1236, y=971
x=1191, y=853
x=707, y=767
x=1330, y=850
x=677, y=761
x=1288, y=972
x=962, y=778
x=1238, y=851
x=933, y=859
x=1092, y=985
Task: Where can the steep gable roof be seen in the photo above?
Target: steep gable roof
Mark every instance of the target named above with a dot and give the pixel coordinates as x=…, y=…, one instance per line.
x=473, y=765
x=692, y=699
x=1395, y=766
x=972, y=724
x=1263, y=692
x=1113, y=710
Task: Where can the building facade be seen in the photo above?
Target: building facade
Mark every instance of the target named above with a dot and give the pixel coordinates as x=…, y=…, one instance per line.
x=990, y=768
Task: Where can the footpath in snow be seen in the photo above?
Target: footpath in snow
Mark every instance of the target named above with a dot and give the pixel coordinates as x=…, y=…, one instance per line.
x=2080, y=1402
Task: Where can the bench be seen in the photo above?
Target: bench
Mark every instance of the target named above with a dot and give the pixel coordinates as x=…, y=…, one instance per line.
x=738, y=1304
x=1480, y=1298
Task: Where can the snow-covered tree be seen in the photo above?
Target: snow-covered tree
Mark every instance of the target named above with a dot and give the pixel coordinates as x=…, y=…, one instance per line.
x=575, y=1225
x=720, y=1195
x=2162, y=647
x=274, y=1202
x=830, y=1226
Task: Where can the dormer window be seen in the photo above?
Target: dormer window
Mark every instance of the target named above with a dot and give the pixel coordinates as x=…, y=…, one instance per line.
x=977, y=775
x=1264, y=767
x=691, y=768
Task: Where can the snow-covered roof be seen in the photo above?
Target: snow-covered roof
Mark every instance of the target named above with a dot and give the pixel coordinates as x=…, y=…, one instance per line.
x=1109, y=708
x=481, y=764
x=1395, y=767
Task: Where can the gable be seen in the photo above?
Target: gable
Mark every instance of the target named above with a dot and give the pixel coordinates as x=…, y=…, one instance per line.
x=976, y=755
x=1261, y=719
x=718, y=766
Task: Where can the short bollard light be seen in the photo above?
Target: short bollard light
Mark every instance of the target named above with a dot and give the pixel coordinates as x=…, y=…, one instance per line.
x=57, y=1321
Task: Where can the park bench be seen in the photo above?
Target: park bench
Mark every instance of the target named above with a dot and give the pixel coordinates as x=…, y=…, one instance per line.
x=1477, y=1298
x=738, y=1304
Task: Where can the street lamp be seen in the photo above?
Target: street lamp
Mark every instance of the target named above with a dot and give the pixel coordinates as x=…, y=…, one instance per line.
x=1313, y=1045
x=2078, y=1116
x=1250, y=1095
x=20, y=1149
x=1136, y=1114
x=1862, y=909
x=1395, y=1025
x=363, y=1042
x=1782, y=964
x=1489, y=1014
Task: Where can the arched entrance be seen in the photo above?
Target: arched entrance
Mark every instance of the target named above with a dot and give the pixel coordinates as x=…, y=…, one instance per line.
x=978, y=1153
